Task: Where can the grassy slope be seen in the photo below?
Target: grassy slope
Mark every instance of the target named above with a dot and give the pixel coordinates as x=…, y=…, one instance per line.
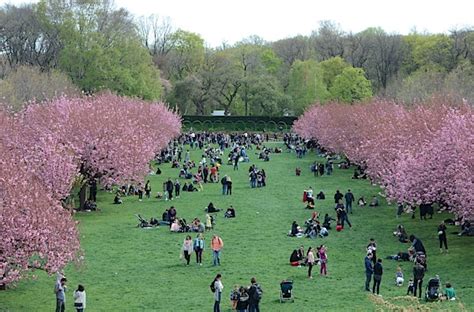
x=130, y=269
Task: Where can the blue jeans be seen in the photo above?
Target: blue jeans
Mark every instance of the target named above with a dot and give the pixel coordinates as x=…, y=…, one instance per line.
x=253, y=307
x=367, y=280
x=216, y=257
x=344, y=218
x=224, y=189
x=349, y=206
x=253, y=183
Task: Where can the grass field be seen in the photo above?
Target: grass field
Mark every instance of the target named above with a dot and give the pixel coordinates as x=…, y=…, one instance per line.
x=132, y=269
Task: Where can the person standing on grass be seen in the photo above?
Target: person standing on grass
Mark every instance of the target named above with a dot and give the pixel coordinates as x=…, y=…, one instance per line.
x=177, y=188
x=216, y=246
x=378, y=272
x=442, y=237
x=169, y=188
x=229, y=185
x=255, y=295
x=337, y=197
x=187, y=248
x=418, y=275
x=310, y=261
x=80, y=299
x=198, y=246
x=60, y=289
x=372, y=248
x=323, y=259
x=369, y=270
x=349, y=200
x=147, y=189
x=218, y=288
x=205, y=173
x=224, y=185
x=140, y=192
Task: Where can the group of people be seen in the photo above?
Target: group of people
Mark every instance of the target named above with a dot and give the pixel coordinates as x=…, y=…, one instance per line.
x=197, y=246
x=243, y=299
x=60, y=288
x=257, y=177
x=310, y=258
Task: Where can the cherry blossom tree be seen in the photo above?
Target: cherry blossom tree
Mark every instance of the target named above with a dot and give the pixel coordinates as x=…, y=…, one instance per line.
x=45, y=147
x=36, y=231
x=112, y=138
x=418, y=154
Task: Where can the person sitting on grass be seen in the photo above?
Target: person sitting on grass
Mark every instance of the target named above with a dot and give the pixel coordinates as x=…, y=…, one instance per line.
x=321, y=196
x=197, y=226
x=327, y=221
x=449, y=292
x=175, y=226
x=230, y=212
x=361, y=202
x=465, y=228
x=401, y=233
x=374, y=202
x=295, y=230
x=117, y=199
x=211, y=209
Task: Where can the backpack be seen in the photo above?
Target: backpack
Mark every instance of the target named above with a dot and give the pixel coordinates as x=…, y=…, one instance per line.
x=212, y=286
x=257, y=295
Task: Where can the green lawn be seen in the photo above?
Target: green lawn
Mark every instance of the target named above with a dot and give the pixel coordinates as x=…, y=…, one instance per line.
x=131, y=269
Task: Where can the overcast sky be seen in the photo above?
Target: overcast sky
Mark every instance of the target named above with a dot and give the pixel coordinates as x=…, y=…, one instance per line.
x=230, y=21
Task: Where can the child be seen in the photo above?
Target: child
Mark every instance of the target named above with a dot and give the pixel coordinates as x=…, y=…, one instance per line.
x=410, y=287
x=399, y=277
x=449, y=292
x=208, y=222
x=298, y=171
x=234, y=297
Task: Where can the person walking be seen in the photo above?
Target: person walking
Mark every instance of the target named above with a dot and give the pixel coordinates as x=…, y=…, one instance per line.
x=216, y=246
x=255, y=295
x=80, y=298
x=369, y=270
x=60, y=289
x=418, y=275
x=218, y=288
x=198, y=246
x=310, y=261
x=343, y=215
x=224, y=185
x=378, y=272
x=187, y=248
x=442, y=237
x=349, y=200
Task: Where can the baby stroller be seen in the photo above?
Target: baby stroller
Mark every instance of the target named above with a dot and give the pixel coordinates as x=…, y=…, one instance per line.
x=286, y=291
x=432, y=290
x=142, y=222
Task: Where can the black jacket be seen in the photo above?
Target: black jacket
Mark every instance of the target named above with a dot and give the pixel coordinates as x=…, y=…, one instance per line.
x=378, y=269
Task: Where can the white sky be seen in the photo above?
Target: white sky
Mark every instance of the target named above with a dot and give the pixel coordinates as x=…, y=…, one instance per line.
x=230, y=21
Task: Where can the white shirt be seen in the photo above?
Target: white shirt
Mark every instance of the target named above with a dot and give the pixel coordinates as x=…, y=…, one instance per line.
x=80, y=297
x=219, y=287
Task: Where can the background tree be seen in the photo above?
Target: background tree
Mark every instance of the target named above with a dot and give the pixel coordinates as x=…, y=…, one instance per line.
x=351, y=86
x=306, y=85
x=27, y=83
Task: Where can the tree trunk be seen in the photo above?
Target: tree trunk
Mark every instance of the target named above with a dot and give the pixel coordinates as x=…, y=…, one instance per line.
x=82, y=196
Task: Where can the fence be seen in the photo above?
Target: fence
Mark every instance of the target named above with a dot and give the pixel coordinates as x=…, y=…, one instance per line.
x=238, y=123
